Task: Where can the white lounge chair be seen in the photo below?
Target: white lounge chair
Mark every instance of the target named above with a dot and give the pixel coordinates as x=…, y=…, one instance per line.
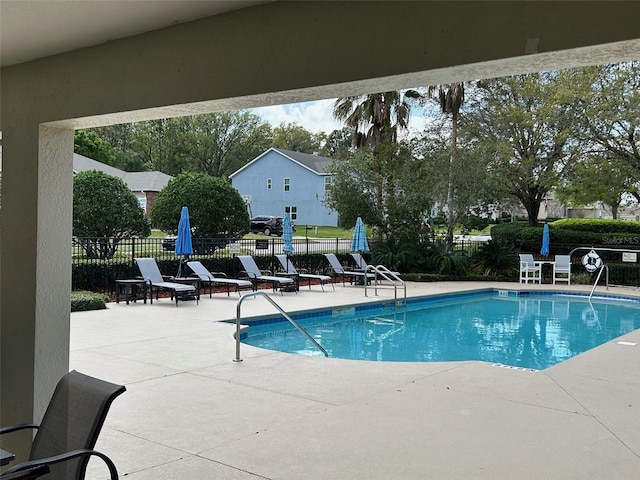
x=529, y=269
x=288, y=267
x=562, y=269
x=153, y=278
x=215, y=278
x=255, y=275
x=362, y=264
x=352, y=275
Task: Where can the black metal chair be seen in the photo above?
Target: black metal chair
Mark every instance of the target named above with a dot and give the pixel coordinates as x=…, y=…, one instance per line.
x=69, y=430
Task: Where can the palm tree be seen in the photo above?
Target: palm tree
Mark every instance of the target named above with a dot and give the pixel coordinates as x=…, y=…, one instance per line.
x=451, y=99
x=375, y=120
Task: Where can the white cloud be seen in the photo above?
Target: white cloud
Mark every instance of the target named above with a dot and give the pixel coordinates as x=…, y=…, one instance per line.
x=314, y=116
x=318, y=117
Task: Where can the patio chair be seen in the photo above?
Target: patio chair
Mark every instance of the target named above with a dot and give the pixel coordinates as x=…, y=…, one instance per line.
x=288, y=266
x=529, y=269
x=152, y=276
x=216, y=278
x=562, y=269
x=256, y=276
x=340, y=271
x=65, y=438
x=362, y=264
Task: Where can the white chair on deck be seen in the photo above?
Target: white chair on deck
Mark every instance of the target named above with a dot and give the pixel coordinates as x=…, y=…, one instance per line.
x=562, y=269
x=530, y=270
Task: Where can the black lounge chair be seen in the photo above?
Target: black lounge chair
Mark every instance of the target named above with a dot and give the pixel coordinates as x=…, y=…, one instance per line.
x=153, y=278
x=256, y=276
x=65, y=438
x=214, y=278
x=288, y=267
x=341, y=271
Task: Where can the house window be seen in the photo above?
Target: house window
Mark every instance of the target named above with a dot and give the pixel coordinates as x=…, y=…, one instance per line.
x=287, y=184
x=292, y=211
x=269, y=183
x=328, y=181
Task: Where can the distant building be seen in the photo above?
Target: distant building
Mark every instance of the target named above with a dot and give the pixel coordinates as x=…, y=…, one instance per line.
x=282, y=181
x=144, y=185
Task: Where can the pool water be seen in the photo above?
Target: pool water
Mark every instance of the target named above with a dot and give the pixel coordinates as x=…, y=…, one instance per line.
x=532, y=330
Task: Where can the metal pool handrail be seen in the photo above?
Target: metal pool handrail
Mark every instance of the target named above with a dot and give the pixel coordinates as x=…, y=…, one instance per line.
x=284, y=314
x=388, y=275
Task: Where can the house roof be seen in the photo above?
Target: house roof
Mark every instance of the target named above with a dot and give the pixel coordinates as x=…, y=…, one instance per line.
x=316, y=163
x=136, y=181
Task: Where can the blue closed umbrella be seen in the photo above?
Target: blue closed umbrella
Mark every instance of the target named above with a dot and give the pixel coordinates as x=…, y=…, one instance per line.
x=545, y=241
x=287, y=237
x=183, y=241
x=359, y=242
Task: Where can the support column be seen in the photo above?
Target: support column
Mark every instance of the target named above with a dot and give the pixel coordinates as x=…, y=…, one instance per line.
x=35, y=271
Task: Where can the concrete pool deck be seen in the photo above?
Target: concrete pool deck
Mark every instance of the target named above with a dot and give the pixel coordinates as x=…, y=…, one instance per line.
x=192, y=412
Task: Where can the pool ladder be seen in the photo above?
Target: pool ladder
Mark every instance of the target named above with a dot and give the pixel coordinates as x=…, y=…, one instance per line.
x=383, y=272
x=282, y=312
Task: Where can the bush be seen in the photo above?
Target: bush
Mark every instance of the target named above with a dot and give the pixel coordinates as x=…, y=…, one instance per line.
x=83, y=300
x=597, y=225
x=496, y=257
x=446, y=259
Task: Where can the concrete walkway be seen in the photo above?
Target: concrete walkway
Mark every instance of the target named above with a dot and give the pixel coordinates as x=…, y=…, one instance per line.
x=190, y=412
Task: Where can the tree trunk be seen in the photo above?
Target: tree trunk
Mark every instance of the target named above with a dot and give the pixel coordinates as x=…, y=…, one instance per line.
x=452, y=161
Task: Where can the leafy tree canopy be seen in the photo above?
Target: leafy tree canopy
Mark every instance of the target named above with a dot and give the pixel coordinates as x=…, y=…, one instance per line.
x=215, y=207
x=292, y=136
x=104, y=207
x=89, y=144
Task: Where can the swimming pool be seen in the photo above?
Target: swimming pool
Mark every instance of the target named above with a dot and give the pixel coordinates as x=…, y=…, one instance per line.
x=532, y=330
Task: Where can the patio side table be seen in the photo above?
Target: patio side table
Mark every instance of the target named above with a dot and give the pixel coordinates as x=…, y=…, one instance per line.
x=132, y=289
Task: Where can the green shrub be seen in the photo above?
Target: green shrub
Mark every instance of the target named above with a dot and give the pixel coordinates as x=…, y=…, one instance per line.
x=83, y=300
x=597, y=225
x=496, y=257
x=445, y=259
x=395, y=254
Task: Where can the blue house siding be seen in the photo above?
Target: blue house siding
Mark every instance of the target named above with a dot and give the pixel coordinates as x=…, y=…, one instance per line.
x=306, y=188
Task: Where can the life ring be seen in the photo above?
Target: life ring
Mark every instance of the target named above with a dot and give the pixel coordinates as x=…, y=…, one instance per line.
x=592, y=261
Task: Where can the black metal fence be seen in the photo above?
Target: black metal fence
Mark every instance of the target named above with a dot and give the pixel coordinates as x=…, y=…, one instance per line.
x=93, y=271
x=96, y=273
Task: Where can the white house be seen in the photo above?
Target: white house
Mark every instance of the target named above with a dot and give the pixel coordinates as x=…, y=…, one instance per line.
x=281, y=181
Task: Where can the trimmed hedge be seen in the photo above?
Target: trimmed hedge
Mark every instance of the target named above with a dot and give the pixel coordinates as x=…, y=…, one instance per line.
x=83, y=300
x=589, y=232
x=596, y=225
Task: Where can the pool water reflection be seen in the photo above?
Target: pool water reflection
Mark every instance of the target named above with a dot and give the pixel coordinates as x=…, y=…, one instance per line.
x=519, y=329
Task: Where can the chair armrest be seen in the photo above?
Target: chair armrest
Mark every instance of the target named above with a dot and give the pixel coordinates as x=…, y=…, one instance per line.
x=219, y=275
x=26, y=474
x=113, y=472
x=19, y=426
x=266, y=272
x=244, y=273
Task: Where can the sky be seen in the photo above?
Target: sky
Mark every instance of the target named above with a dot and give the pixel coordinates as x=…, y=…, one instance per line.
x=314, y=116
x=317, y=116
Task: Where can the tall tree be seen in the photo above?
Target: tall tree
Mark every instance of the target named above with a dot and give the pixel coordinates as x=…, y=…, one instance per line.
x=521, y=124
x=451, y=98
x=606, y=102
x=600, y=178
x=89, y=144
x=292, y=136
x=375, y=121
x=221, y=143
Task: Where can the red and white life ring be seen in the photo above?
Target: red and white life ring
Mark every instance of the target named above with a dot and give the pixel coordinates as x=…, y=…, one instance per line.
x=592, y=261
